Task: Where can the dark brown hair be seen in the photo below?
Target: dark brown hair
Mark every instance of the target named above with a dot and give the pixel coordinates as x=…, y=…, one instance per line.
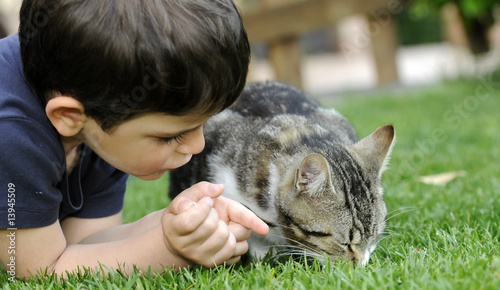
x=122, y=58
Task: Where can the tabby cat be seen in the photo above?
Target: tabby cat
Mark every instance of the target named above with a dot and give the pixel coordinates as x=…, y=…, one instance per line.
x=300, y=168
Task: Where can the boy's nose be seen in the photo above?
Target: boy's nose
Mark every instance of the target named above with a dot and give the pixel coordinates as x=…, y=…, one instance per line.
x=193, y=143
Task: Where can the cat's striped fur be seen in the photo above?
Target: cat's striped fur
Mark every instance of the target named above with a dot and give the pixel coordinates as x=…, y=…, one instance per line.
x=299, y=167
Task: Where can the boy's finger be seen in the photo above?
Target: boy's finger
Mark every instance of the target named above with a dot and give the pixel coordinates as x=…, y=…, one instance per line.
x=241, y=248
x=238, y=213
x=194, y=194
x=240, y=232
x=233, y=260
x=191, y=215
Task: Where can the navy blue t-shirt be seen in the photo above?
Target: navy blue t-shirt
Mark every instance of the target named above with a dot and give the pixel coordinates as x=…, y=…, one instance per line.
x=35, y=189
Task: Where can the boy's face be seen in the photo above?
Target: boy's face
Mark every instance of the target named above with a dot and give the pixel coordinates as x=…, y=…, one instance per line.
x=149, y=145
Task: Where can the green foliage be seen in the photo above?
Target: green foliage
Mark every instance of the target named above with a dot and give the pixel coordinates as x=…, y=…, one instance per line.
x=470, y=8
x=139, y=201
x=438, y=237
x=412, y=29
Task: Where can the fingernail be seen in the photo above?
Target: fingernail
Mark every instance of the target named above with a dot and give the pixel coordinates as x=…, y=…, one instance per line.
x=208, y=201
x=215, y=187
x=185, y=205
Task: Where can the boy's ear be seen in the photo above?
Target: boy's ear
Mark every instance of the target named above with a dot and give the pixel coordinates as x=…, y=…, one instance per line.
x=66, y=114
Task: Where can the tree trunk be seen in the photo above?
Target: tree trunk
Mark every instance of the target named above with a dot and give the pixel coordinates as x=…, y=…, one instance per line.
x=476, y=30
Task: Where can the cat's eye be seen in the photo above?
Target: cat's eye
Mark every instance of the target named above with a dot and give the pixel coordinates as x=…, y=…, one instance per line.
x=347, y=246
x=315, y=233
x=319, y=234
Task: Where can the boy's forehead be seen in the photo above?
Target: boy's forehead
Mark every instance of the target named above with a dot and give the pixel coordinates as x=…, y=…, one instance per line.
x=160, y=117
x=162, y=121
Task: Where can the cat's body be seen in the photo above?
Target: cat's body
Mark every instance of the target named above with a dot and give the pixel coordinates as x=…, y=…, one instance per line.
x=299, y=167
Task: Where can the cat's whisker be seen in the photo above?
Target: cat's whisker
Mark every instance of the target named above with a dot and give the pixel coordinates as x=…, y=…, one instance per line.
x=402, y=210
x=282, y=225
x=295, y=255
x=297, y=242
x=389, y=231
x=299, y=254
x=294, y=247
x=294, y=250
x=392, y=226
x=383, y=238
x=287, y=250
x=298, y=250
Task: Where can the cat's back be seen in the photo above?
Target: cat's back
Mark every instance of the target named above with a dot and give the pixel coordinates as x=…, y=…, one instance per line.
x=275, y=106
x=270, y=98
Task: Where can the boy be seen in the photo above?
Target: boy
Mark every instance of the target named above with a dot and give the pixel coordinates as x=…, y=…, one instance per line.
x=113, y=87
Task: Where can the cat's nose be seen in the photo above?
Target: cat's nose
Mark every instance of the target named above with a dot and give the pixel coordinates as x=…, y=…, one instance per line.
x=361, y=258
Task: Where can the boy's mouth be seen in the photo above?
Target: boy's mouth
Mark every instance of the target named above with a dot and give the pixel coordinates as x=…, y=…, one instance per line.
x=184, y=162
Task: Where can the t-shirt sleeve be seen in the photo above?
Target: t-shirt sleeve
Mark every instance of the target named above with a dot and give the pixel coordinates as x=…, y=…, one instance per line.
x=31, y=165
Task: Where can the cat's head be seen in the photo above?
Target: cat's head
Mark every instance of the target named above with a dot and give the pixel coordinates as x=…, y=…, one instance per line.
x=334, y=201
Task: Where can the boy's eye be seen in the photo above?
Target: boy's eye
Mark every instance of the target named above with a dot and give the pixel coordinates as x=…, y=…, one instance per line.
x=179, y=139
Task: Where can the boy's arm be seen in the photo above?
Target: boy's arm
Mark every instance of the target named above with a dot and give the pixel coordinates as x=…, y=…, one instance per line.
x=193, y=230
x=107, y=229
x=46, y=248
x=228, y=217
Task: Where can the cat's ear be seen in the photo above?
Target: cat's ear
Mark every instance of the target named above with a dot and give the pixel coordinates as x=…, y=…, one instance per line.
x=375, y=149
x=313, y=174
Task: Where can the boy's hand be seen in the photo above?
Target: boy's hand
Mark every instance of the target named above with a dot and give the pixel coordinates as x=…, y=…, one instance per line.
x=203, y=228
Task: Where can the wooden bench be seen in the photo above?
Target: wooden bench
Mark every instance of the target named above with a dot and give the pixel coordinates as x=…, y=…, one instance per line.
x=280, y=23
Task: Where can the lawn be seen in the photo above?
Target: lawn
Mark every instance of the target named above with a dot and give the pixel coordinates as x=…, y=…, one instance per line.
x=439, y=236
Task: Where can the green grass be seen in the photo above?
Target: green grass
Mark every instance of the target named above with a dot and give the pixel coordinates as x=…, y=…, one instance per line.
x=439, y=237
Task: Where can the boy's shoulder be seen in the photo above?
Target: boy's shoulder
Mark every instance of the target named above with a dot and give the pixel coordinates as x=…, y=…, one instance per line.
x=18, y=99
x=22, y=116
x=10, y=54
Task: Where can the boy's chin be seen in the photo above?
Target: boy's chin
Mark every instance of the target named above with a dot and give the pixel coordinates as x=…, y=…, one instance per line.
x=152, y=176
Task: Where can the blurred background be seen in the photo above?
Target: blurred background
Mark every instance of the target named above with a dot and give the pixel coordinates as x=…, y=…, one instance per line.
x=9, y=18
x=330, y=47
